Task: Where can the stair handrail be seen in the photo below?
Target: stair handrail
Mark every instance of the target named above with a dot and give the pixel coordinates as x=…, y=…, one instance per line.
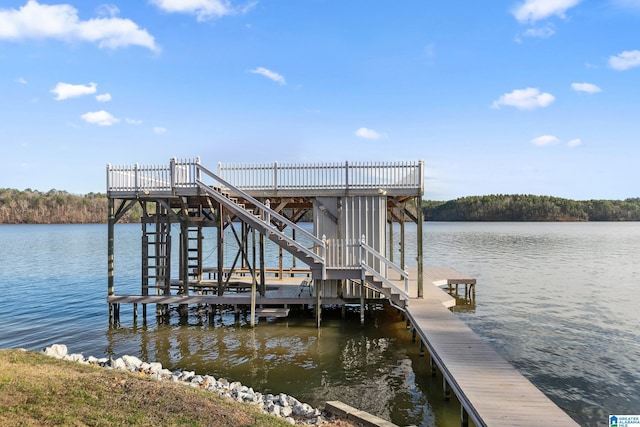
x=368, y=269
x=317, y=242
x=368, y=250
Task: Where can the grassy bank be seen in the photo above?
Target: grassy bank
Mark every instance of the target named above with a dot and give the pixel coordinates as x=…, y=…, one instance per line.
x=39, y=390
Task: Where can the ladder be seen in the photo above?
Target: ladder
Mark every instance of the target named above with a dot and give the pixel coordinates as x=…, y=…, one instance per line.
x=156, y=253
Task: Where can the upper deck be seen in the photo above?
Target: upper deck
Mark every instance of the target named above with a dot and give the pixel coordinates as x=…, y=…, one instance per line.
x=179, y=178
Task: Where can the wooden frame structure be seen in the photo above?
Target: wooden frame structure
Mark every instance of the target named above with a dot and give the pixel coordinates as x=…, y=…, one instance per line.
x=344, y=258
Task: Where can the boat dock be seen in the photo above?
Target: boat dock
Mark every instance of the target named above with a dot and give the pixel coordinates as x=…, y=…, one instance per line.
x=491, y=391
x=347, y=257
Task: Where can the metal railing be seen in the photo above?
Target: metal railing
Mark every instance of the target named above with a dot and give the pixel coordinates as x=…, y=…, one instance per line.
x=330, y=176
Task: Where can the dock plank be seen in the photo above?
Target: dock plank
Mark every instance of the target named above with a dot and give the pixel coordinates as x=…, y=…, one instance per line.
x=492, y=391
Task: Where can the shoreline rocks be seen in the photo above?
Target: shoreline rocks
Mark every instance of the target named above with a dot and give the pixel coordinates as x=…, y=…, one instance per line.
x=280, y=405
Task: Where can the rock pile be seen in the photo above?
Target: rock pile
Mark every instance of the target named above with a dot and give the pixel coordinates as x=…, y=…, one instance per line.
x=281, y=405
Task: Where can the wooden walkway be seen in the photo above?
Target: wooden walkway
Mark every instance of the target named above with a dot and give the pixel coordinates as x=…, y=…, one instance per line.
x=490, y=390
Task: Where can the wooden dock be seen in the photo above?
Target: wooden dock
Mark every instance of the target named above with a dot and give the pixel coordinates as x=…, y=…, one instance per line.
x=491, y=391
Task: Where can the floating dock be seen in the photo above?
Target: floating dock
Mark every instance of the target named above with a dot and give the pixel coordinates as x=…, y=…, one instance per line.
x=491, y=391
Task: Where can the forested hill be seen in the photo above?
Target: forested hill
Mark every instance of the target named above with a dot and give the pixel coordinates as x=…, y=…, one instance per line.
x=54, y=207
x=530, y=208
x=60, y=207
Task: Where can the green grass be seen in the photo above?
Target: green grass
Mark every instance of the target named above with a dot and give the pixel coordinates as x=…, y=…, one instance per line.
x=38, y=390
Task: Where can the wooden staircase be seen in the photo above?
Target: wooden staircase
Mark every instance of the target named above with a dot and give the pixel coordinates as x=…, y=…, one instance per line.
x=262, y=218
x=391, y=293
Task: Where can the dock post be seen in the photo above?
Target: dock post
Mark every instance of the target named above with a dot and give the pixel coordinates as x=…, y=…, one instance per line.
x=254, y=282
x=421, y=349
x=135, y=311
x=446, y=388
x=413, y=334
x=220, y=239
x=362, y=306
x=420, y=255
x=464, y=417
x=432, y=365
x=110, y=254
x=319, y=286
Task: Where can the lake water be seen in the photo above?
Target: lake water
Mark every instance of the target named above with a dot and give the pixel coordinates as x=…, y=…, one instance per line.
x=557, y=300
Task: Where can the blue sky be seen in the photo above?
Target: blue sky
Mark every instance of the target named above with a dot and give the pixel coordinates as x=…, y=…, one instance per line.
x=501, y=97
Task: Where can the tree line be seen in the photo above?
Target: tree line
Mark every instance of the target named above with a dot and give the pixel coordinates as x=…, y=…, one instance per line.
x=60, y=207
x=55, y=207
x=526, y=207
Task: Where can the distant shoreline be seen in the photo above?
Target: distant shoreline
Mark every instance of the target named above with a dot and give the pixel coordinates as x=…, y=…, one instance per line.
x=59, y=207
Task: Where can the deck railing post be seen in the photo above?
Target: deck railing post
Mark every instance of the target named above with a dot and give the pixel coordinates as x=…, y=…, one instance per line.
x=172, y=174
x=363, y=241
x=108, y=178
x=346, y=175
x=197, y=171
x=421, y=177
x=136, y=178
x=406, y=279
x=275, y=175
x=267, y=214
x=324, y=256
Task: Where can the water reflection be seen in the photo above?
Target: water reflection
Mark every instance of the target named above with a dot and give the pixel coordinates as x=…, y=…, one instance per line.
x=375, y=368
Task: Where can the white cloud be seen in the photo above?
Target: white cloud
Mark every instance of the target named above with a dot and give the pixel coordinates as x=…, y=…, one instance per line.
x=133, y=121
x=67, y=90
x=272, y=75
x=203, y=9
x=545, y=140
x=535, y=10
x=625, y=60
x=585, y=87
x=574, y=143
x=110, y=10
x=159, y=130
x=524, y=99
x=541, y=33
x=103, y=97
x=100, y=118
x=40, y=21
x=365, y=133
x=21, y=80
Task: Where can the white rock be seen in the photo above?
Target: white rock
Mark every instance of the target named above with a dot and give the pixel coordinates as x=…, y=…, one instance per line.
x=290, y=421
x=75, y=357
x=273, y=409
x=283, y=400
x=57, y=350
x=155, y=367
x=286, y=411
x=119, y=364
x=132, y=362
